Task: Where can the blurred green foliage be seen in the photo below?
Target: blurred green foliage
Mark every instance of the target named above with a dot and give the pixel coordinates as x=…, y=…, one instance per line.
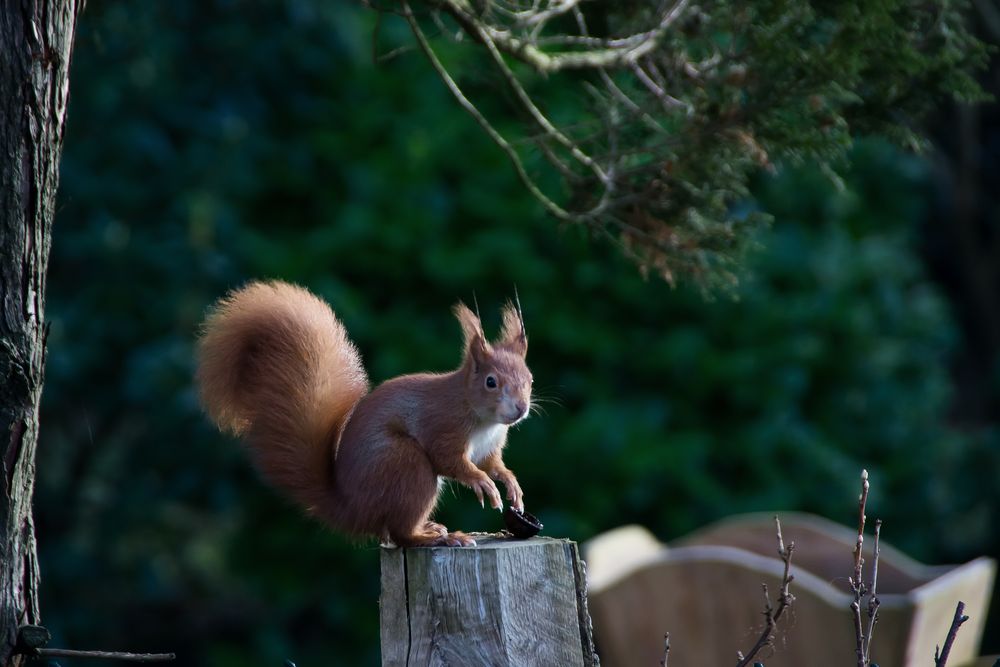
x=744, y=85
x=211, y=143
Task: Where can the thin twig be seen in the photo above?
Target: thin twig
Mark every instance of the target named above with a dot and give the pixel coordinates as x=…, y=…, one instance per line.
x=573, y=40
x=106, y=655
x=785, y=600
x=873, y=601
x=666, y=651
x=859, y=633
x=941, y=657
x=630, y=103
x=533, y=109
x=666, y=99
x=581, y=23
x=471, y=108
x=555, y=160
x=589, y=217
x=862, y=501
x=857, y=585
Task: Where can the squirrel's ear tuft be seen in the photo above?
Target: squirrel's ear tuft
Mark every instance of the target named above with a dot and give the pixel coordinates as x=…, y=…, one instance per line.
x=472, y=330
x=513, y=336
x=471, y=326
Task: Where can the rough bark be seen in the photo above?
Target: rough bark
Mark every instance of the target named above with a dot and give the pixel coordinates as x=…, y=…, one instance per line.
x=36, y=38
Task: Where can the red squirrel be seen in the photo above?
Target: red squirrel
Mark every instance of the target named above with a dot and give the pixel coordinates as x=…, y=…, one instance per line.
x=275, y=367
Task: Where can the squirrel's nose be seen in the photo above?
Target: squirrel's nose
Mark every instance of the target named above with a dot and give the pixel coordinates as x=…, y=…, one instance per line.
x=522, y=408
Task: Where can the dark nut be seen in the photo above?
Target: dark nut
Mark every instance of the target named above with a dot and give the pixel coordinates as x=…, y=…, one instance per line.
x=521, y=524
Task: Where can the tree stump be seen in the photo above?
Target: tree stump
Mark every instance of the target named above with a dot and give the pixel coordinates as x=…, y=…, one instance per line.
x=504, y=602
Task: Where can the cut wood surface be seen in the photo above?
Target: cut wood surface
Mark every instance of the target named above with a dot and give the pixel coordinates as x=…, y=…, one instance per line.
x=504, y=602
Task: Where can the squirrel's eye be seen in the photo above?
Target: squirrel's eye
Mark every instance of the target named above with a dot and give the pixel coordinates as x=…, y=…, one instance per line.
x=491, y=382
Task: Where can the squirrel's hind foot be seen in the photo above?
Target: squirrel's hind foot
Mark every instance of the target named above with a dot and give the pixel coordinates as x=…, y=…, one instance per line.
x=435, y=537
x=435, y=527
x=459, y=539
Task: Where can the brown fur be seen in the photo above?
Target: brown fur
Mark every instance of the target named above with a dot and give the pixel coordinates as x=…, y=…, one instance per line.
x=275, y=366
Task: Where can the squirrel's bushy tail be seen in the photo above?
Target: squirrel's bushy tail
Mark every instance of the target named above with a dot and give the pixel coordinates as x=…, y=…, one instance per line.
x=275, y=367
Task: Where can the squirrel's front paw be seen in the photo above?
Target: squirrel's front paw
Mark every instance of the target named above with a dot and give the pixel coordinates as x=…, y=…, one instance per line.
x=514, y=493
x=484, y=487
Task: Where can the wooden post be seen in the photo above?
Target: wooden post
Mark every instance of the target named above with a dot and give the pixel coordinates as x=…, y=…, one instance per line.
x=504, y=602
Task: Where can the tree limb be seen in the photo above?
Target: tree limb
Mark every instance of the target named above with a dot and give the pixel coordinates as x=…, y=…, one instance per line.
x=623, y=52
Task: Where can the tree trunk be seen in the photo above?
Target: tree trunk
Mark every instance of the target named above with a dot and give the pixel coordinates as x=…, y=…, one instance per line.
x=36, y=39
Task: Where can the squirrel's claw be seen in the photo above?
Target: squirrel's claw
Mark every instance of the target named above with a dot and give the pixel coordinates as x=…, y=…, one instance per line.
x=514, y=493
x=485, y=488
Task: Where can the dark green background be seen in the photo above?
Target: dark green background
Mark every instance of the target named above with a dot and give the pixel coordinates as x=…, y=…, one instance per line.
x=212, y=143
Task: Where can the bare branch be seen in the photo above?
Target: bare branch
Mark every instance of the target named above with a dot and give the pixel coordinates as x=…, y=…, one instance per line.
x=533, y=109
x=620, y=95
x=574, y=40
x=785, y=600
x=589, y=217
x=941, y=658
x=857, y=585
x=859, y=633
x=668, y=101
x=863, y=639
x=464, y=102
x=555, y=160
x=873, y=601
x=666, y=651
x=31, y=641
x=609, y=83
x=630, y=50
x=858, y=560
x=555, y=9
x=105, y=655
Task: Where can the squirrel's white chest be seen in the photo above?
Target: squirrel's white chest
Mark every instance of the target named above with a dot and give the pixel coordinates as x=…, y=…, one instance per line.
x=484, y=440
